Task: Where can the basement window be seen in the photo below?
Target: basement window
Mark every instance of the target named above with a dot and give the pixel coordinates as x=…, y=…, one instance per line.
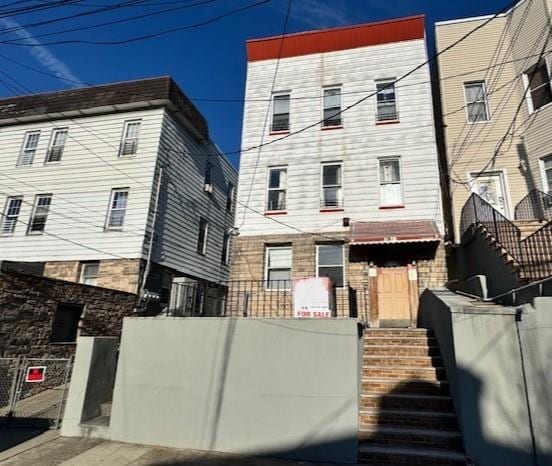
x=66, y=323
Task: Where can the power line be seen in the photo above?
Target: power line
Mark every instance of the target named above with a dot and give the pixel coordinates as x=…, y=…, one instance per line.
x=34, y=8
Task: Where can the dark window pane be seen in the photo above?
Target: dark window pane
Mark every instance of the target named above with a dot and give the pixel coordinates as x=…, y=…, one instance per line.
x=276, y=200
x=331, y=175
x=330, y=254
x=335, y=274
x=66, y=322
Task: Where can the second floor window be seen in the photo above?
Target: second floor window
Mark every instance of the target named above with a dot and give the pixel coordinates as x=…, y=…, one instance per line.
x=10, y=215
x=202, y=236
x=390, y=181
x=41, y=208
x=277, y=189
x=129, y=143
x=540, y=90
x=386, y=101
x=280, y=112
x=117, y=209
x=332, y=107
x=28, y=151
x=57, y=145
x=332, y=190
x=476, y=102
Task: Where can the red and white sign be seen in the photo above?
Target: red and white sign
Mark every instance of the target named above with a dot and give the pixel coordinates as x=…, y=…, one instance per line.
x=312, y=297
x=35, y=374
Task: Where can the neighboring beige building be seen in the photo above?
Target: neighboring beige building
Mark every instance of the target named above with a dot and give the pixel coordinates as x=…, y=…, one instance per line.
x=483, y=82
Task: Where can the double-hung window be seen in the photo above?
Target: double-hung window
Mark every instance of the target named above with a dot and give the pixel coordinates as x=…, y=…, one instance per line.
x=390, y=181
x=230, y=193
x=476, y=101
x=226, y=249
x=59, y=136
x=280, y=112
x=278, y=267
x=547, y=171
x=386, y=101
x=537, y=79
x=332, y=107
x=28, y=151
x=89, y=273
x=10, y=215
x=208, y=178
x=117, y=209
x=39, y=215
x=202, y=236
x=129, y=142
x=332, y=185
x=330, y=262
x=277, y=181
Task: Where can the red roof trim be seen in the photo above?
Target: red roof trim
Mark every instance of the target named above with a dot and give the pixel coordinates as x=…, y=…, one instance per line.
x=331, y=40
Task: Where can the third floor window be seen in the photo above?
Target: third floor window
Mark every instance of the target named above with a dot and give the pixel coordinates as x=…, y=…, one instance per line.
x=332, y=107
x=129, y=142
x=28, y=151
x=540, y=91
x=57, y=144
x=386, y=101
x=332, y=191
x=476, y=101
x=280, y=112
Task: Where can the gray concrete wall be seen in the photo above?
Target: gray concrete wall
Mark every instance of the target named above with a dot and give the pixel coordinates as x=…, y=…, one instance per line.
x=488, y=377
x=277, y=387
x=91, y=383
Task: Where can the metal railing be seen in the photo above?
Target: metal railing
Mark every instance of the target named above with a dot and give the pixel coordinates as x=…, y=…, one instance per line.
x=537, y=251
x=537, y=205
x=253, y=299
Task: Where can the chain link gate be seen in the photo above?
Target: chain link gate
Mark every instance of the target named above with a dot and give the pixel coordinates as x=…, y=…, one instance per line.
x=33, y=390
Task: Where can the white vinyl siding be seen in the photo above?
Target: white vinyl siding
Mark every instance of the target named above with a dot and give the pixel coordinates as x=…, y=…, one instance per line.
x=89, y=273
x=278, y=267
x=39, y=215
x=332, y=185
x=477, y=106
x=390, y=181
x=129, y=142
x=386, y=99
x=10, y=215
x=280, y=112
x=332, y=107
x=277, y=188
x=117, y=209
x=330, y=263
x=55, y=151
x=28, y=150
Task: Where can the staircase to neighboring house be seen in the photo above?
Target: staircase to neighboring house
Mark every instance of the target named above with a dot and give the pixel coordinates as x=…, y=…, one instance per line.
x=406, y=414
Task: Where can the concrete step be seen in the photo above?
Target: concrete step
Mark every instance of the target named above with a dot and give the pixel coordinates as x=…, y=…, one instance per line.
x=401, y=361
x=412, y=437
x=398, y=332
x=105, y=409
x=424, y=341
x=395, y=350
x=406, y=402
x=384, y=455
x=403, y=373
x=100, y=421
x=426, y=419
x=384, y=387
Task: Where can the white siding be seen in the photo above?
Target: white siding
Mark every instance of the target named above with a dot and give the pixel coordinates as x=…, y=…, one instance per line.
x=358, y=145
x=81, y=186
x=183, y=202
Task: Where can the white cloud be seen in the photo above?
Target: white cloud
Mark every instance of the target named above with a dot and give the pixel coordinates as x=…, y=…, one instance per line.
x=317, y=13
x=41, y=53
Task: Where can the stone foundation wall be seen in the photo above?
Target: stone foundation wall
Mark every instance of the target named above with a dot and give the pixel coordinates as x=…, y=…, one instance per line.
x=28, y=305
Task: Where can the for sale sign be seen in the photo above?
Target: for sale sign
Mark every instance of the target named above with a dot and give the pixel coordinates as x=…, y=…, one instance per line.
x=35, y=374
x=312, y=297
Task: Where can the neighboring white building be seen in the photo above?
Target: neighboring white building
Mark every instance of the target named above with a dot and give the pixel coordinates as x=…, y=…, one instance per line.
x=80, y=173
x=375, y=162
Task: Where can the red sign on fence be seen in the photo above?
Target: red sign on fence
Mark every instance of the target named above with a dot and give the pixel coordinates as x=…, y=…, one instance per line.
x=35, y=374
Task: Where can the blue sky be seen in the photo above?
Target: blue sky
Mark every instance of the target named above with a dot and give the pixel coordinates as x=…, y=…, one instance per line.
x=207, y=62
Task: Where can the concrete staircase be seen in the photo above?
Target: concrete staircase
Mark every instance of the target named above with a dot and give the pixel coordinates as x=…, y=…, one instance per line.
x=406, y=414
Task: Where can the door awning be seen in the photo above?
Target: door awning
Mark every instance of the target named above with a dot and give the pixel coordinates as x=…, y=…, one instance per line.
x=394, y=232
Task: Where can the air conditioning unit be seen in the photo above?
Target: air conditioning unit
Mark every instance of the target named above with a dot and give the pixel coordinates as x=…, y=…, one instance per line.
x=208, y=188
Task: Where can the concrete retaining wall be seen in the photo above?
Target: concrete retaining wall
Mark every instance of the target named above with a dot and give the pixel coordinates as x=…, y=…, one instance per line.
x=276, y=387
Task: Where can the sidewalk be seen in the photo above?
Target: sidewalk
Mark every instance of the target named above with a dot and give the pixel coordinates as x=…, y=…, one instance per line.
x=49, y=449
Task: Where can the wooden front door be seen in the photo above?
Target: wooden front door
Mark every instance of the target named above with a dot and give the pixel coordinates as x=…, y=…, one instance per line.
x=393, y=297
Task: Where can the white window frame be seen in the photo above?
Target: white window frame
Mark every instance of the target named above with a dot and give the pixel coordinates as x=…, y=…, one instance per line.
x=273, y=107
x=546, y=187
x=34, y=214
x=83, y=276
x=529, y=96
x=401, y=181
x=266, y=268
x=342, y=265
x=322, y=186
x=485, y=101
x=24, y=148
x=387, y=81
x=6, y=216
x=110, y=209
x=323, y=98
x=269, y=189
x=125, y=138
x=203, y=250
x=51, y=146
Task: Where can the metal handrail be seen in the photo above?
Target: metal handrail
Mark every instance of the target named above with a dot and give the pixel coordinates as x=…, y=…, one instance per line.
x=536, y=205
